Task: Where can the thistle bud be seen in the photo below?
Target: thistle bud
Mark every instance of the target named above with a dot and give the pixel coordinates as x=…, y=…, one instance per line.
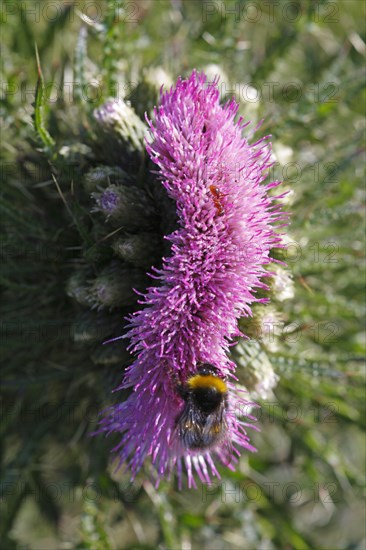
x=95, y=326
x=114, y=286
x=282, y=285
x=266, y=326
x=76, y=154
x=255, y=369
x=120, y=135
x=141, y=250
x=146, y=94
x=102, y=176
x=129, y=207
x=77, y=287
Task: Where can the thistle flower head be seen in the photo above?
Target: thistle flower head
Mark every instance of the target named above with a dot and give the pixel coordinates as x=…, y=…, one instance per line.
x=217, y=262
x=108, y=201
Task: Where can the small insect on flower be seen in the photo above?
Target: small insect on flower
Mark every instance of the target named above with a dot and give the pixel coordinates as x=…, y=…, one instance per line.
x=202, y=424
x=217, y=198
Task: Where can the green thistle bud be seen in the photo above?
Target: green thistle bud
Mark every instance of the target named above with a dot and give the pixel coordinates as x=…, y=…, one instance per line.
x=114, y=286
x=102, y=176
x=76, y=152
x=146, y=94
x=77, y=286
x=120, y=135
x=95, y=326
x=129, y=207
x=255, y=369
x=141, y=250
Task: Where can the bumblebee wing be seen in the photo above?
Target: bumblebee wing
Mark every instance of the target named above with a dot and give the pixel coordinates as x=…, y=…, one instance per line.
x=217, y=432
x=190, y=427
x=215, y=426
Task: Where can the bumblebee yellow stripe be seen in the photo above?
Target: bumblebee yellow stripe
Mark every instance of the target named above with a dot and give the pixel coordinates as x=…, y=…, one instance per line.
x=207, y=381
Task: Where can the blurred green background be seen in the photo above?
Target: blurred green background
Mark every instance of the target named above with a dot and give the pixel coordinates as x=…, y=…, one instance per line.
x=300, y=66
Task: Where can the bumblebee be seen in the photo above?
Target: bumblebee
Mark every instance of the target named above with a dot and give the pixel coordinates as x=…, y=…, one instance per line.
x=202, y=424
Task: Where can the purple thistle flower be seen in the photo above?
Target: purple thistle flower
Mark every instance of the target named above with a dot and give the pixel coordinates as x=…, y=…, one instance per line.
x=224, y=236
x=108, y=201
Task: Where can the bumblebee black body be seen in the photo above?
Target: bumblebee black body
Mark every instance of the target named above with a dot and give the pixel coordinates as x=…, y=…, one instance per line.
x=202, y=423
